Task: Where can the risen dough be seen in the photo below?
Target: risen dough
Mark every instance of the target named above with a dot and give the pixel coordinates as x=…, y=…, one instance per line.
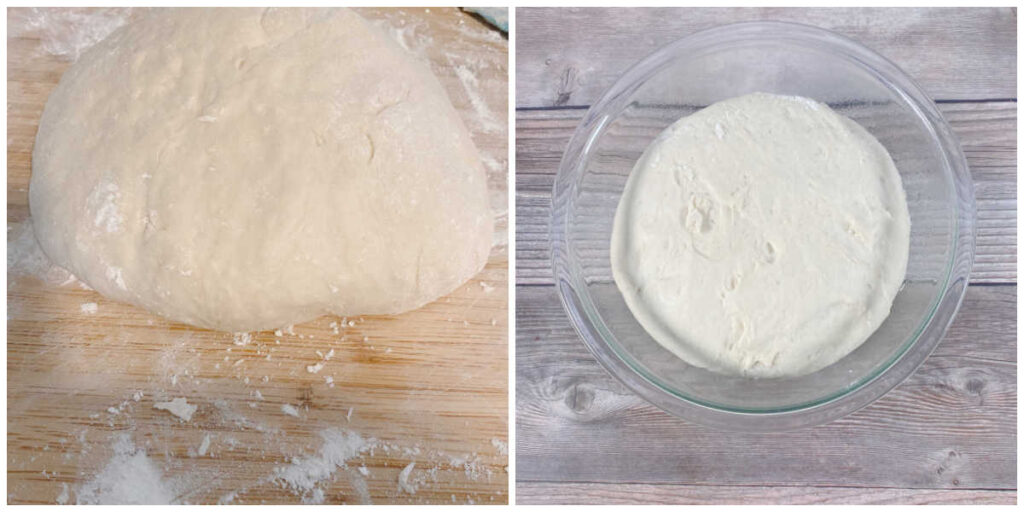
x=243, y=169
x=764, y=235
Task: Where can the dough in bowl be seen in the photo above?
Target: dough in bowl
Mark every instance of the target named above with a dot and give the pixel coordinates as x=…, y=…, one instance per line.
x=243, y=169
x=764, y=236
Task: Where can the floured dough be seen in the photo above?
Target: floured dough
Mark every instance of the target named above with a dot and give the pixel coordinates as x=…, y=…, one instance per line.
x=243, y=169
x=764, y=236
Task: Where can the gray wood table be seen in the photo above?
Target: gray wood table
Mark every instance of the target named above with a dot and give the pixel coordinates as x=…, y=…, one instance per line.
x=946, y=435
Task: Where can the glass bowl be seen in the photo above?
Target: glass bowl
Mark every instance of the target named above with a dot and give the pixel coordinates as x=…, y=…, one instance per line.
x=728, y=61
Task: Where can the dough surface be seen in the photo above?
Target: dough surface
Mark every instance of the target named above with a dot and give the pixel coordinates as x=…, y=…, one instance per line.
x=764, y=236
x=244, y=169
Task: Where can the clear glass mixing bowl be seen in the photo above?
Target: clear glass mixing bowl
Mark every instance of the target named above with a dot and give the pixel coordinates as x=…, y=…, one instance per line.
x=721, y=63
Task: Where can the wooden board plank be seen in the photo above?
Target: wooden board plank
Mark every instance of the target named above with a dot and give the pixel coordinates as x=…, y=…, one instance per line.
x=952, y=425
x=967, y=53
x=431, y=386
x=530, y=493
x=987, y=132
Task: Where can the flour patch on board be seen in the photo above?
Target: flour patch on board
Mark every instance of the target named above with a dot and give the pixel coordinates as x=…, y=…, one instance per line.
x=129, y=478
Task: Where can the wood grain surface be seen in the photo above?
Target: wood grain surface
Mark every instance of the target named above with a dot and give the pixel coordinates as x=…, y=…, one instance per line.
x=570, y=56
x=647, y=494
x=430, y=386
x=950, y=425
x=946, y=435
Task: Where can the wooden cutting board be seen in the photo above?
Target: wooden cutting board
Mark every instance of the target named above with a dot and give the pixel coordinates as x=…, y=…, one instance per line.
x=275, y=412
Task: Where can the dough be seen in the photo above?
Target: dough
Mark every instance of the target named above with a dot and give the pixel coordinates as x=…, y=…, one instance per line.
x=243, y=169
x=764, y=236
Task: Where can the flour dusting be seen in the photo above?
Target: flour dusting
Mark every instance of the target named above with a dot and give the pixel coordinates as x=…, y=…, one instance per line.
x=66, y=33
x=500, y=445
x=104, y=201
x=129, y=478
x=26, y=259
x=116, y=275
x=409, y=38
x=314, y=498
x=305, y=474
x=485, y=117
x=64, y=496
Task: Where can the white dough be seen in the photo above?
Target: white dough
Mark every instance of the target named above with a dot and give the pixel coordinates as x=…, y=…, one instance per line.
x=243, y=169
x=764, y=236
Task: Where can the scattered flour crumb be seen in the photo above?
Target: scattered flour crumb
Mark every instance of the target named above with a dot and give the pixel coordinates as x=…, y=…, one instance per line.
x=63, y=497
x=90, y=308
x=348, y=417
x=404, y=484
x=242, y=338
x=500, y=445
x=227, y=498
x=178, y=407
x=486, y=287
x=204, y=446
x=315, y=368
x=364, y=471
x=289, y=410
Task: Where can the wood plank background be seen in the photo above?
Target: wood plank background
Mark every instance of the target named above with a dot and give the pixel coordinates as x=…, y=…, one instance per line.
x=431, y=385
x=568, y=57
x=946, y=435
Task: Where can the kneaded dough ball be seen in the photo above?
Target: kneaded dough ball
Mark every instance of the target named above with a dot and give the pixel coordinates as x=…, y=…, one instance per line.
x=763, y=236
x=243, y=169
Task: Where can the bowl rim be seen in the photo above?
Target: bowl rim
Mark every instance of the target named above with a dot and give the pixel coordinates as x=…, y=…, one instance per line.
x=911, y=355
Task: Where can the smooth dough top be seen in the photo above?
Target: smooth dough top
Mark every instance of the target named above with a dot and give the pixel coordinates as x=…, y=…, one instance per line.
x=763, y=236
x=244, y=169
